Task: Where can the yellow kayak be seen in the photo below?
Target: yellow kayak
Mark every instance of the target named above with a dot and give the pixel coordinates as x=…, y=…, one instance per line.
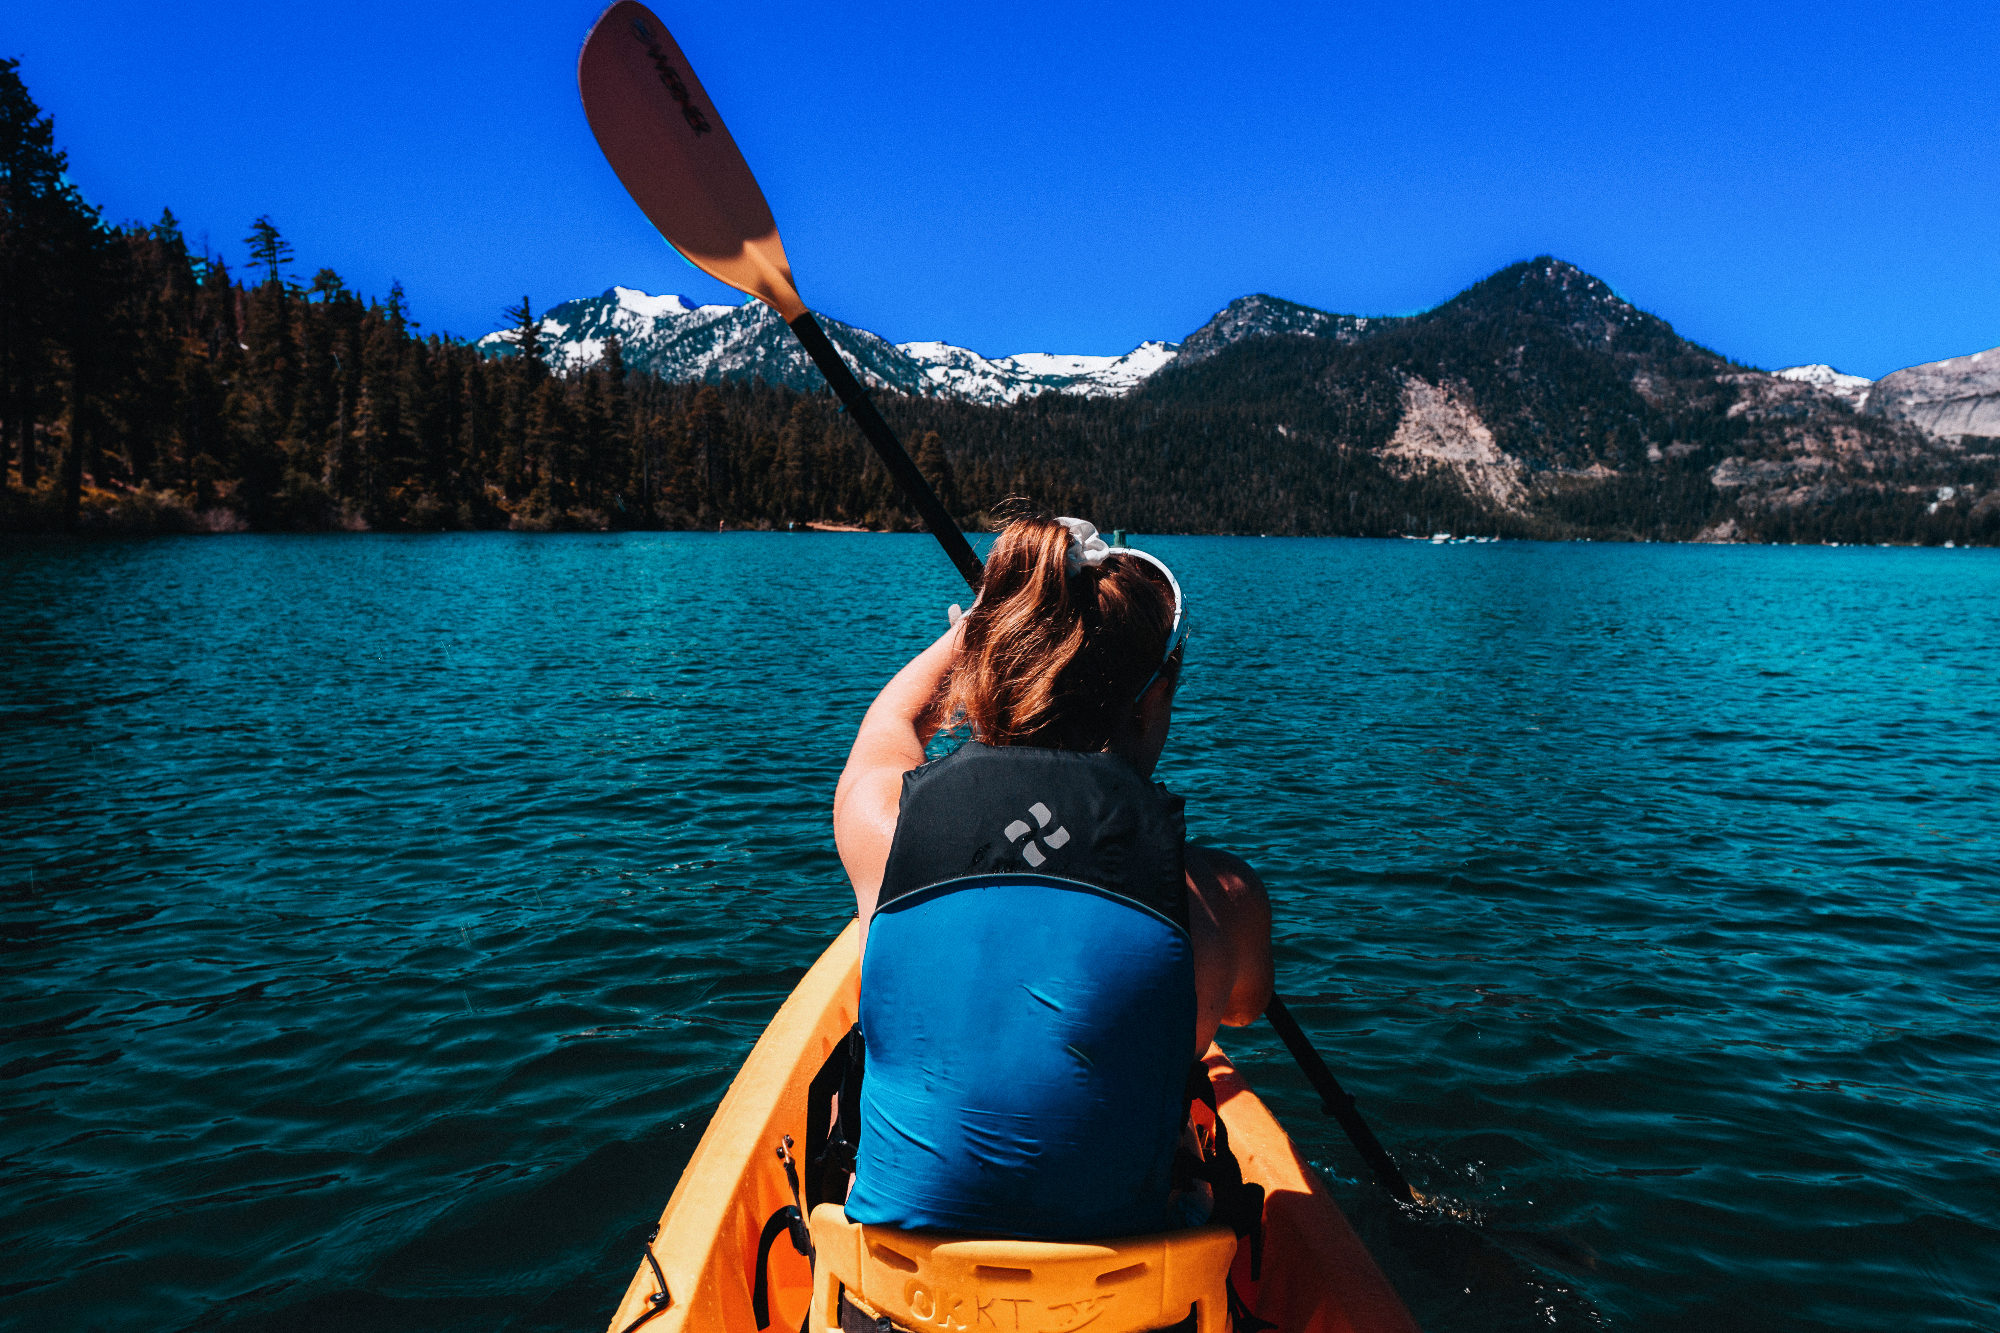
x=721, y=1260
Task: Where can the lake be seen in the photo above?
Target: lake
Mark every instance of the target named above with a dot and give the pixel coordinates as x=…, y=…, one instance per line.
x=385, y=916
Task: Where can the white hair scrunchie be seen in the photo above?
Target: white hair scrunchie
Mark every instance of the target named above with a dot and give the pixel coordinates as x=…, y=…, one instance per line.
x=1085, y=546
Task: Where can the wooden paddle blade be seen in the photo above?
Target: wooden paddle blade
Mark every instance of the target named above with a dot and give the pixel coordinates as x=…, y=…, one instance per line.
x=663, y=137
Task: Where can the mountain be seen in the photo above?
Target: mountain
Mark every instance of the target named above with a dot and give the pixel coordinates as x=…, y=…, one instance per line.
x=684, y=343
x=1535, y=403
x=668, y=337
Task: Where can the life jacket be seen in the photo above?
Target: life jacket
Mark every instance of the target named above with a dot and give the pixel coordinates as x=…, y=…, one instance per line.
x=1027, y=1001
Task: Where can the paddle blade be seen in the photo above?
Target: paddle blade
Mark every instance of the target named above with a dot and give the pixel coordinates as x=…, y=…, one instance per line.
x=663, y=137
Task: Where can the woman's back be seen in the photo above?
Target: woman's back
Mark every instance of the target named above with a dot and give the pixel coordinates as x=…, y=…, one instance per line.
x=1028, y=1000
x=1036, y=975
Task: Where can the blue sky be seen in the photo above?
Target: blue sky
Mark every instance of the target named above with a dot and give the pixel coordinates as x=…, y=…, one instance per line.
x=1784, y=183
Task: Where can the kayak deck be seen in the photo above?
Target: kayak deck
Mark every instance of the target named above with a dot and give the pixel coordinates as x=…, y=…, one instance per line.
x=1317, y=1276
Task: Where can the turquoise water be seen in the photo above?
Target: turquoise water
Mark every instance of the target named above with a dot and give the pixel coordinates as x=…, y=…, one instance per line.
x=384, y=917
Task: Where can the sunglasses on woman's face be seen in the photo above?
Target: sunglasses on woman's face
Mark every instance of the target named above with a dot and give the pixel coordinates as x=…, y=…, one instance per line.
x=1178, y=636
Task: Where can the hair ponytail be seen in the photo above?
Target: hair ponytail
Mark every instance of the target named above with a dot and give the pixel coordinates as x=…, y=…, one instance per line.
x=1054, y=659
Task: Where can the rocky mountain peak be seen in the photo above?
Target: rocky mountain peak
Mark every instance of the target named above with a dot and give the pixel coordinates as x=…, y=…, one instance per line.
x=1549, y=290
x=1263, y=316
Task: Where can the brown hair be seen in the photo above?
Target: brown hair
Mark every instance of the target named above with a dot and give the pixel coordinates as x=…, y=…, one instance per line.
x=1051, y=659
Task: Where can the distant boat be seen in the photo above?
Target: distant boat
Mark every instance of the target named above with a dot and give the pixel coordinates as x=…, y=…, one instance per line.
x=1440, y=538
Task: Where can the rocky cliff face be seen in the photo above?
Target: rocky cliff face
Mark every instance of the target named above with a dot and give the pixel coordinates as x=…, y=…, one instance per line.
x=1439, y=435
x=1945, y=399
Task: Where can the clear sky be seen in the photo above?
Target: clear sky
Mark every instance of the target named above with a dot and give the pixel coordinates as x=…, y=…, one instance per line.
x=1785, y=183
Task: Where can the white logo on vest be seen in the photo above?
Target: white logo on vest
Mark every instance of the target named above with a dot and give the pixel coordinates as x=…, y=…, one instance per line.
x=1032, y=853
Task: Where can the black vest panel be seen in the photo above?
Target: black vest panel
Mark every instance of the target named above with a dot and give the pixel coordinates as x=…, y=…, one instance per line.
x=1064, y=814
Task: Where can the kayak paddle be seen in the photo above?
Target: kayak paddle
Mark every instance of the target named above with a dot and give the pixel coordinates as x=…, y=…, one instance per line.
x=669, y=146
x=1337, y=1102
x=667, y=143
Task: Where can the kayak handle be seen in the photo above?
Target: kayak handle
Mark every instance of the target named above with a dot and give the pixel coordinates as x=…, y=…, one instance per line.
x=660, y=1299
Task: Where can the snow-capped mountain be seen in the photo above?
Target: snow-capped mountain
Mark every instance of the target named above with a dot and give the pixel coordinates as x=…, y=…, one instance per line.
x=679, y=341
x=1854, y=388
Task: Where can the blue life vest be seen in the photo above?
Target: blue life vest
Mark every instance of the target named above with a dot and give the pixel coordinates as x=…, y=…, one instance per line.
x=1027, y=1001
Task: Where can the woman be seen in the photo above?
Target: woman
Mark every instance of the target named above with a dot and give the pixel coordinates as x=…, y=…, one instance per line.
x=1043, y=953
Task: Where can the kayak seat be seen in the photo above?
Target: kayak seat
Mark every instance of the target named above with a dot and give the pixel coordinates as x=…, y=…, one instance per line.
x=921, y=1281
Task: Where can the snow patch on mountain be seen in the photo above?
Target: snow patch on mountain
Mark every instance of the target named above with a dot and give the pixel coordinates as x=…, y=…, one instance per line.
x=672, y=338
x=959, y=372
x=1853, y=388
x=1823, y=374
x=573, y=333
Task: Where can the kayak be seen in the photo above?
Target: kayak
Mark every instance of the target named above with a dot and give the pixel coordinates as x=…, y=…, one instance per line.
x=721, y=1260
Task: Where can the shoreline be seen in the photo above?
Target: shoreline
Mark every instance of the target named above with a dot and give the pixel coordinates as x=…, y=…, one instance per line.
x=108, y=535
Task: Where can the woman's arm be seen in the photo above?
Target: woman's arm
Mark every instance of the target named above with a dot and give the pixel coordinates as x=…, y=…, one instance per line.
x=1231, y=916
x=890, y=743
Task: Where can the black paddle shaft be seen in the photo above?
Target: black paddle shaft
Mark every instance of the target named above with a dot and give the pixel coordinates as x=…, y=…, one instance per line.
x=915, y=488
x=1337, y=1102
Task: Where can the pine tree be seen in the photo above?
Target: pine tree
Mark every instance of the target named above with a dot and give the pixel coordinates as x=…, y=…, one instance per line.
x=796, y=495
x=551, y=444
x=327, y=286
x=42, y=222
x=593, y=433
x=426, y=413
x=526, y=335
x=268, y=249
x=615, y=478
x=931, y=461
x=707, y=489
x=397, y=307
x=385, y=345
